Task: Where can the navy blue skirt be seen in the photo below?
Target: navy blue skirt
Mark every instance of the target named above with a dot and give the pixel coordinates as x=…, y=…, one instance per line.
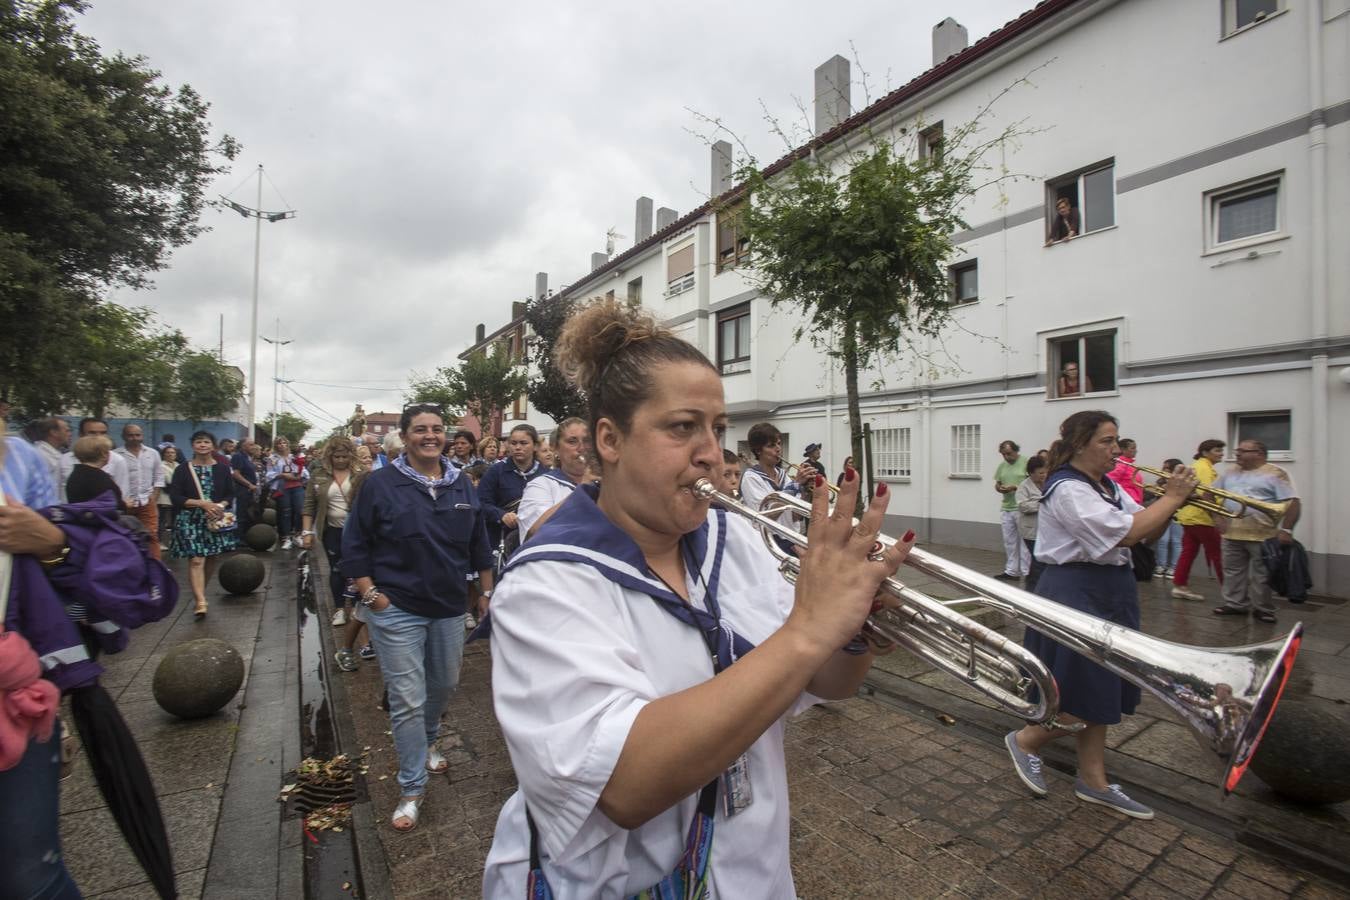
x=1087, y=690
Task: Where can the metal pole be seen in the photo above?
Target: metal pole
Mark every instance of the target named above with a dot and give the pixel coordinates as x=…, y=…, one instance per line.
x=276, y=373
x=253, y=332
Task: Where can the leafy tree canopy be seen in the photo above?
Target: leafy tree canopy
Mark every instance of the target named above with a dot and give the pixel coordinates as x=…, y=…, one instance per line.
x=290, y=426
x=549, y=392
x=103, y=170
x=205, y=388
x=483, y=384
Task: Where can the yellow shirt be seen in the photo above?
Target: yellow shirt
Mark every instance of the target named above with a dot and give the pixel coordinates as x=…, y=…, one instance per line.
x=1191, y=515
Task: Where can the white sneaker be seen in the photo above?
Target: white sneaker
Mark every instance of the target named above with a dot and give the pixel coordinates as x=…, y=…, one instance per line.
x=286, y=544
x=339, y=618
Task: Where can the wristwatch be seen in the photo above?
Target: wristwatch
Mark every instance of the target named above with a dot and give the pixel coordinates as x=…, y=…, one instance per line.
x=56, y=560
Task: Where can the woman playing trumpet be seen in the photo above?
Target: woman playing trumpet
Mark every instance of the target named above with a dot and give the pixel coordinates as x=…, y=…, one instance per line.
x=572, y=441
x=1087, y=524
x=637, y=719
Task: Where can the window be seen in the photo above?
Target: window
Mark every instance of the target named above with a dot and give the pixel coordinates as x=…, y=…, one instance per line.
x=1090, y=195
x=965, y=281
x=733, y=247
x=1243, y=212
x=680, y=270
x=965, y=451
x=518, y=407
x=890, y=453
x=1271, y=428
x=635, y=291
x=1238, y=14
x=1083, y=364
x=733, y=340
x=930, y=142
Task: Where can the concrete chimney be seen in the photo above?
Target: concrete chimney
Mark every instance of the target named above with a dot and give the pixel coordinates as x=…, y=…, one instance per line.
x=832, y=93
x=540, y=284
x=721, y=169
x=517, y=308
x=480, y=333
x=598, y=260
x=642, y=225
x=665, y=217
x=949, y=38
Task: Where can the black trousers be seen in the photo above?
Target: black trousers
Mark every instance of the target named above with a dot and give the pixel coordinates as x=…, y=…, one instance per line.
x=332, y=545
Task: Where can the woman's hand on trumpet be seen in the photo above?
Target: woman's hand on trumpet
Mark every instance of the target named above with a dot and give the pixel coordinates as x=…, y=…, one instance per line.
x=806, y=474
x=1181, y=483
x=844, y=566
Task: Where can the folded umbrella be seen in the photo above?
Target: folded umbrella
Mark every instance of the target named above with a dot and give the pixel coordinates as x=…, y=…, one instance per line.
x=124, y=782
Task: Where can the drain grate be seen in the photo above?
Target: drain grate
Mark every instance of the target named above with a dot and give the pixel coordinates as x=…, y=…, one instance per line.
x=318, y=784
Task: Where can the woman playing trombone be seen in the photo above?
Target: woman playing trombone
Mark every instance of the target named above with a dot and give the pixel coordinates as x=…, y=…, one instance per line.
x=1087, y=524
x=637, y=719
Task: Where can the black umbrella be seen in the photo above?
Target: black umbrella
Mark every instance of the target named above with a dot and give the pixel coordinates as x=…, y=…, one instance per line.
x=124, y=782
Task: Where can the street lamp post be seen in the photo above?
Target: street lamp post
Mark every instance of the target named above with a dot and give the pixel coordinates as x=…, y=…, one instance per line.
x=257, y=214
x=277, y=344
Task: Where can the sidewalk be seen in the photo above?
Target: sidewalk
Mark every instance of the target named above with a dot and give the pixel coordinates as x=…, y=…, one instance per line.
x=885, y=801
x=217, y=778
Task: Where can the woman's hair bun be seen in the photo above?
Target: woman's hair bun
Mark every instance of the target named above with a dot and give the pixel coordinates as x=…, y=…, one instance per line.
x=595, y=333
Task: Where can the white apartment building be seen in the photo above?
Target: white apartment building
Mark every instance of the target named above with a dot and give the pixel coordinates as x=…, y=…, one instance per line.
x=1207, y=149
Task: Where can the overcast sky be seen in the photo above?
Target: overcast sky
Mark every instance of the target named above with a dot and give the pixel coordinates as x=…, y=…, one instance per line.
x=440, y=154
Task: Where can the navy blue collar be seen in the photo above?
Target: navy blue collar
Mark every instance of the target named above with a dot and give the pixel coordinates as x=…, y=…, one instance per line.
x=1107, y=489
x=559, y=476
x=580, y=532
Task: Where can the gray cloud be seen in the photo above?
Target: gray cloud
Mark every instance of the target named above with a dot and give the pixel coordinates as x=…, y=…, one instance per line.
x=440, y=154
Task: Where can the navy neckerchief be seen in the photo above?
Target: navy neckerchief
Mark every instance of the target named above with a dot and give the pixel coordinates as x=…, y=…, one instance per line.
x=580, y=532
x=1107, y=489
x=561, y=477
x=779, y=471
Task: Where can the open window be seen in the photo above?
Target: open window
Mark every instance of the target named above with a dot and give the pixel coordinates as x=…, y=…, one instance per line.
x=1242, y=14
x=680, y=269
x=733, y=247
x=1082, y=364
x=1080, y=202
x=930, y=142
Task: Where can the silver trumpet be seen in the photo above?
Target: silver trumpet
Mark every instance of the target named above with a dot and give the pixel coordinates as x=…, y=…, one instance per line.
x=1226, y=696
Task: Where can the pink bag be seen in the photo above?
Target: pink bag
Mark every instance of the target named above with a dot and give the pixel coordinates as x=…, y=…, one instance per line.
x=28, y=702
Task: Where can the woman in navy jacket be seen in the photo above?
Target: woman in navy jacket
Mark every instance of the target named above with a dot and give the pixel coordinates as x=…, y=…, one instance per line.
x=191, y=536
x=414, y=533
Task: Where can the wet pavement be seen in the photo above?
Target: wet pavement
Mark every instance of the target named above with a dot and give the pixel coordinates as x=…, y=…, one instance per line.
x=887, y=798
x=888, y=801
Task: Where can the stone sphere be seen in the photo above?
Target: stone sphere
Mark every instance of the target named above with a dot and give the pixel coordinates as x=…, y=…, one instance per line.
x=269, y=516
x=261, y=537
x=242, y=573
x=1302, y=756
x=197, y=678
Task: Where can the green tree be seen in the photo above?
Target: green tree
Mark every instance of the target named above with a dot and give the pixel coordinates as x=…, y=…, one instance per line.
x=103, y=170
x=858, y=239
x=118, y=357
x=206, y=388
x=551, y=394
x=290, y=426
x=483, y=385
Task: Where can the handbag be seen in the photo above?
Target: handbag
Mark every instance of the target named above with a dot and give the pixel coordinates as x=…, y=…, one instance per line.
x=227, y=521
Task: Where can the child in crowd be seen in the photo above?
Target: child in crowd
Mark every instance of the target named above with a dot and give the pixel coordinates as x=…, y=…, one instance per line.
x=1028, y=512
x=1168, y=548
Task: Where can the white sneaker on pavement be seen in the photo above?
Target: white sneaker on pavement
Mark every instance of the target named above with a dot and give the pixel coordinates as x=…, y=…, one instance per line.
x=339, y=618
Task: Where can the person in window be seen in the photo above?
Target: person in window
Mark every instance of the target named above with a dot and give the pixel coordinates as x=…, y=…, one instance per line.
x=1066, y=223
x=1070, y=384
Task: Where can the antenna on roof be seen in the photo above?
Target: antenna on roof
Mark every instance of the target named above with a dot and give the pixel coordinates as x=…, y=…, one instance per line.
x=610, y=237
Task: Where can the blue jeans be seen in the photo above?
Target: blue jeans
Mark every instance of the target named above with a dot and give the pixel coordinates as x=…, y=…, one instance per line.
x=419, y=659
x=1169, y=546
x=29, y=811
x=289, y=506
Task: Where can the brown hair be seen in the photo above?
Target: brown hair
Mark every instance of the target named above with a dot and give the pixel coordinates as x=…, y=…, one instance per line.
x=762, y=435
x=1075, y=433
x=333, y=445
x=1206, y=446
x=608, y=350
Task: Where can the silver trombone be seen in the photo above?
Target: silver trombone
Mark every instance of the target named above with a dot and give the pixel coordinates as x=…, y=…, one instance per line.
x=1226, y=696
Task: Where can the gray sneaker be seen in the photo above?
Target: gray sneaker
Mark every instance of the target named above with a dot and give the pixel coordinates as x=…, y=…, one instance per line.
x=1112, y=797
x=1027, y=765
x=346, y=660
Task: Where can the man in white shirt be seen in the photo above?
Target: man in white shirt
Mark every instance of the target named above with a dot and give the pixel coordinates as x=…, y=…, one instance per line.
x=144, y=475
x=116, y=465
x=53, y=439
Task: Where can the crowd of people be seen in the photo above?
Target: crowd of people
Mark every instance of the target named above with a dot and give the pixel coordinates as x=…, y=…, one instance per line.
x=623, y=606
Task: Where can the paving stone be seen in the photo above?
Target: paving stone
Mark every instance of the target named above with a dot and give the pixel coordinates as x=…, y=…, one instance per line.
x=1193, y=863
x=1249, y=888
x=1209, y=848
x=1273, y=874
x=1180, y=883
